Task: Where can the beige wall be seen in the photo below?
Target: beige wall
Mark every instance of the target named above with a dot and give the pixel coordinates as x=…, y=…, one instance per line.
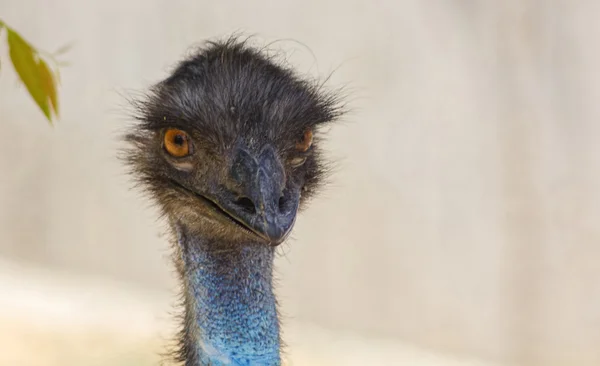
x=464, y=212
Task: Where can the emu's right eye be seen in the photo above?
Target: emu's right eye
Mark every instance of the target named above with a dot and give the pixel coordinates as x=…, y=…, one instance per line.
x=177, y=143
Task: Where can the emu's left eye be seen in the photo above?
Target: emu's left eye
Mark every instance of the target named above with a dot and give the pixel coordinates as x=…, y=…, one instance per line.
x=306, y=142
x=297, y=161
x=177, y=143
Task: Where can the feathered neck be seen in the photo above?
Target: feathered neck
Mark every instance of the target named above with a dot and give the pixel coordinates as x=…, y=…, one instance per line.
x=230, y=309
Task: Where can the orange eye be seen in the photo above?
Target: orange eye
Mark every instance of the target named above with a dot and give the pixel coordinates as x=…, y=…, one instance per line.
x=306, y=141
x=177, y=143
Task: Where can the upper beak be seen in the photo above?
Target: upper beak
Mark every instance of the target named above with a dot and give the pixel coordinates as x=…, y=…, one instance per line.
x=262, y=204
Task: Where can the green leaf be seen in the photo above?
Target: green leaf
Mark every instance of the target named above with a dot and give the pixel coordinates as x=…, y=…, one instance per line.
x=24, y=60
x=49, y=85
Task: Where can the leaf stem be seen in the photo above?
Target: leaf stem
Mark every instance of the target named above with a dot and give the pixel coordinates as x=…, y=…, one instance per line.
x=48, y=55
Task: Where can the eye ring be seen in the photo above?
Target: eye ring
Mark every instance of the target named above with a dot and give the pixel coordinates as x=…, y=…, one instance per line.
x=177, y=143
x=306, y=142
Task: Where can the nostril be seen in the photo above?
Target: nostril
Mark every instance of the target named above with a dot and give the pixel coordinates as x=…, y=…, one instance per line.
x=246, y=204
x=281, y=203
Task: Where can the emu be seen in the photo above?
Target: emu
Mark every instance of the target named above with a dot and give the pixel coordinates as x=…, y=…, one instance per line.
x=227, y=146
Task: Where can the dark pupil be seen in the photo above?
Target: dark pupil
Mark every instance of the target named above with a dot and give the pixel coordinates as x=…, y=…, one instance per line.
x=179, y=140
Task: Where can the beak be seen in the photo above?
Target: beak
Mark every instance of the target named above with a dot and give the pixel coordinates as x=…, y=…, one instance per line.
x=262, y=204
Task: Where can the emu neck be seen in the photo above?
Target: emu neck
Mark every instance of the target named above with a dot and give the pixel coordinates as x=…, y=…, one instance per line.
x=230, y=308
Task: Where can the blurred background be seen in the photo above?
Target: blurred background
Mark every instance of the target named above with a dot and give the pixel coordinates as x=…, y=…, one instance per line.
x=461, y=227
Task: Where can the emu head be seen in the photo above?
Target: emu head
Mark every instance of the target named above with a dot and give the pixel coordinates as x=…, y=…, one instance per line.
x=227, y=145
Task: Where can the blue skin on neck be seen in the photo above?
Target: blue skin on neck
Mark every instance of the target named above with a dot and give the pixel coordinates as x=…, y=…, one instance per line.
x=231, y=310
